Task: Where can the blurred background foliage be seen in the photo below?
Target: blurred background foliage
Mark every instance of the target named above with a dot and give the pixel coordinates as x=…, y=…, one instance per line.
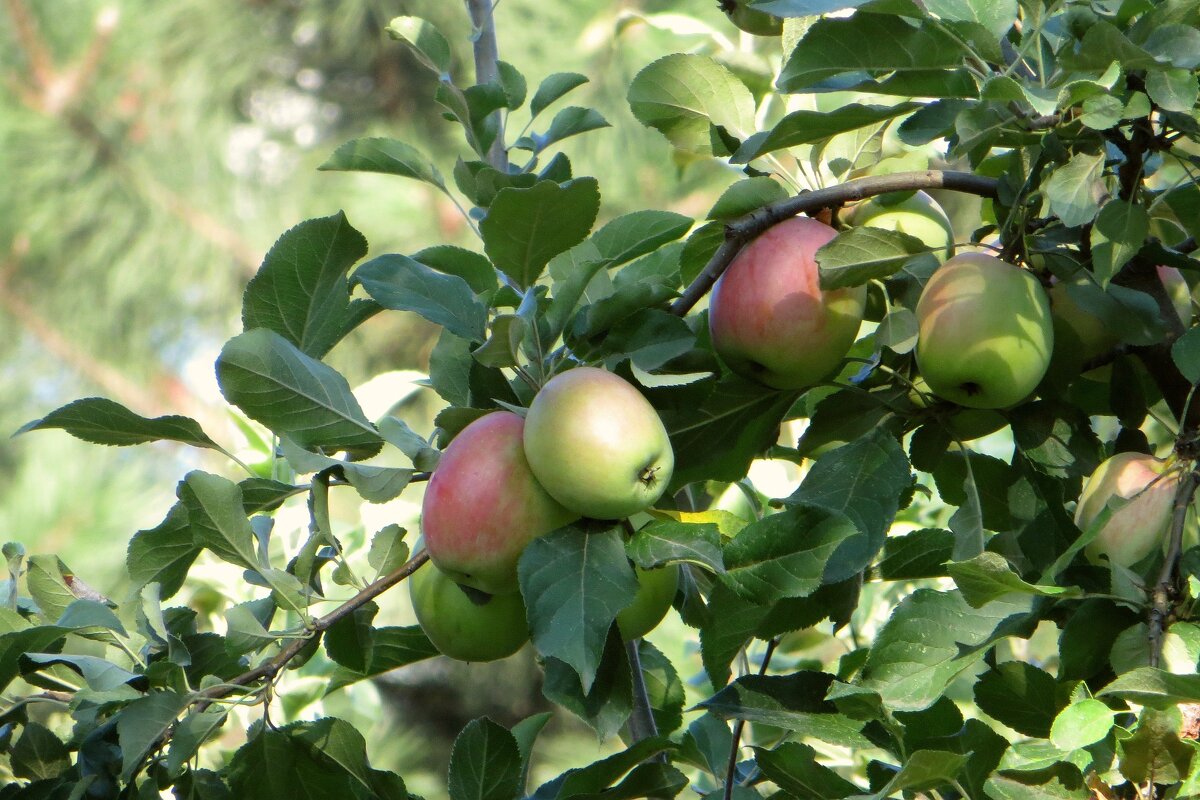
x=150, y=153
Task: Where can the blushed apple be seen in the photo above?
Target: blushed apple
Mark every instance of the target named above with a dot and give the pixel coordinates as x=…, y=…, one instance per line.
x=483, y=505
x=1135, y=529
x=917, y=215
x=597, y=445
x=768, y=316
x=984, y=332
x=480, y=628
x=656, y=591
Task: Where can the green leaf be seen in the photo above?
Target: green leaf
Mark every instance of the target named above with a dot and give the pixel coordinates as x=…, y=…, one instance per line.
x=99, y=674
x=39, y=754
x=192, y=732
x=1155, y=752
x=718, y=434
x=684, y=97
x=929, y=640
x=988, y=577
x=246, y=626
x=14, y=644
x=552, y=88
x=663, y=687
x=1173, y=89
x=665, y=541
x=633, y=235
x=1019, y=695
x=859, y=255
x=997, y=16
x=274, y=383
x=1073, y=191
x=785, y=554
x=809, y=127
x=919, y=554
x=101, y=421
x=832, y=47
x=591, y=780
x=574, y=583
x=391, y=647
x=472, y=267
x=485, y=763
x=1185, y=352
x=503, y=347
x=1081, y=724
x=862, y=481
x=322, y=758
x=401, y=283
x=795, y=702
x=898, y=331
x=1120, y=231
x=514, y=85
x=746, y=196
x=924, y=769
x=794, y=768
x=1003, y=787
x=215, y=516
x=142, y=723
x=525, y=228
x=45, y=577
x=349, y=641
x=730, y=622
x=571, y=121
x=301, y=291
x=1153, y=687
x=387, y=156
x=525, y=733
x=649, y=338
x=425, y=42
x=388, y=551
x=606, y=705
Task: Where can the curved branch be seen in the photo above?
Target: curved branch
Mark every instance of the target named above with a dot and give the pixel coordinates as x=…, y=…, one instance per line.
x=271, y=668
x=742, y=230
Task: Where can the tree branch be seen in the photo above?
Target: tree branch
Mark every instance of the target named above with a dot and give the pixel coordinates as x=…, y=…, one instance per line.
x=487, y=69
x=742, y=230
x=271, y=668
x=1166, y=589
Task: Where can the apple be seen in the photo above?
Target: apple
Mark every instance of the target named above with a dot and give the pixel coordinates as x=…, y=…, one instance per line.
x=656, y=591
x=917, y=215
x=483, y=505
x=477, y=627
x=1136, y=528
x=984, y=332
x=751, y=20
x=770, y=320
x=597, y=445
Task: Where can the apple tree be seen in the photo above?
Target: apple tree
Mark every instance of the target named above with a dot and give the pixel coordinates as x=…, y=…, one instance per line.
x=981, y=582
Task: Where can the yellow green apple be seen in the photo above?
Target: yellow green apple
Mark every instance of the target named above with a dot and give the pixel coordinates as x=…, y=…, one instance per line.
x=656, y=590
x=483, y=505
x=768, y=316
x=476, y=627
x=984, y=332
x=751, y=20
x=597, y=445
x=1138, y=526
x=917, y=215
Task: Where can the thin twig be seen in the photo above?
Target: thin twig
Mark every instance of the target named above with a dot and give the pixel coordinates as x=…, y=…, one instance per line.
x=1165, y=588
x=738, y=726
x=272, y=667
x=742, y=230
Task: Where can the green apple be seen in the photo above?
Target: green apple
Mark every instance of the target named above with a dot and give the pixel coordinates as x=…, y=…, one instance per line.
x=984, y=332
x=656, y=591
x=597, y=445
x=917, y=215
x=476, y=627
x=751, y=20
x=1136, y=528
x=770, y=320
x=483, y=505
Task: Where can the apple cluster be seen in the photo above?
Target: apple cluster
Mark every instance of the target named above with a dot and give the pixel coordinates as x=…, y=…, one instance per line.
x=988, y=333
x=590, y=445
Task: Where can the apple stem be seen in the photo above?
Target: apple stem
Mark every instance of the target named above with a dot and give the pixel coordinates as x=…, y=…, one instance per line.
x=1164, y=593
x=739, y=232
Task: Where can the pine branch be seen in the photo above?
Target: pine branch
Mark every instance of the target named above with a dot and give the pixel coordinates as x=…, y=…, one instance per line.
x=742, y=230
